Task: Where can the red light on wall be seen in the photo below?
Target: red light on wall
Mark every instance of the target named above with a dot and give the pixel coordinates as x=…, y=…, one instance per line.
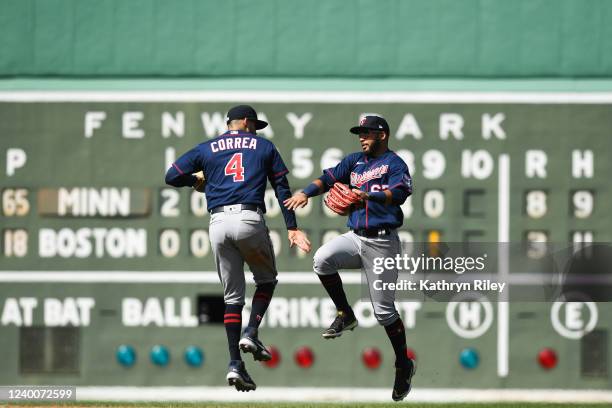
x=371, y=358
x=411, y=353
x=304, y=357
x=547, y=358
x=276, y=358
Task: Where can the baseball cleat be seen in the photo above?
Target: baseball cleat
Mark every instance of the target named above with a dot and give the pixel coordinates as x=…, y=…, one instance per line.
x=249, y=343
x=403, y=381
x=341, y=323
x=238, y=377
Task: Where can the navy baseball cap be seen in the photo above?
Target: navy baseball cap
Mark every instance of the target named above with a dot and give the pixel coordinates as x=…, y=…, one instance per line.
x=368, y=123
x=245, y=111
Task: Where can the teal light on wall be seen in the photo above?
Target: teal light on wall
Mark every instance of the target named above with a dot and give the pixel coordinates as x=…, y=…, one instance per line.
x=469, y=358
x=160, y=355
x=126, y=355
x=194, y=356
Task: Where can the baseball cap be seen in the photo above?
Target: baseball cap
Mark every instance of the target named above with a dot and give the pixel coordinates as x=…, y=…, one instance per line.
x=245, y=111
x=372, y=122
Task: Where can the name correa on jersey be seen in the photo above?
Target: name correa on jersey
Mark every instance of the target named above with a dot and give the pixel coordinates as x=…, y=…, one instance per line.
x=233, y=143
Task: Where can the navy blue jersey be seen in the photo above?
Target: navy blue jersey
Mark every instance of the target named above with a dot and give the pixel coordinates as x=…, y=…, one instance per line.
x=237, y=166
x=386, y=172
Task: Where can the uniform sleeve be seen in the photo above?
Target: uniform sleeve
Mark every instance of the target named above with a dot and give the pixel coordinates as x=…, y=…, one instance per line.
x=400, y=182
x=278, y=180
x=341, y=173
x=180, y=174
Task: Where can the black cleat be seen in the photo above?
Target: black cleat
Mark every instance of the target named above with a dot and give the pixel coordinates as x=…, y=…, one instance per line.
x=238, y=377
x=341, y=323
x=249, y=343
x=403, y=380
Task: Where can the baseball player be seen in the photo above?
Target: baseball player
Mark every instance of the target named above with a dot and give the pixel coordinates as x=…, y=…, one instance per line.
x=379, y=183
x=233, y=170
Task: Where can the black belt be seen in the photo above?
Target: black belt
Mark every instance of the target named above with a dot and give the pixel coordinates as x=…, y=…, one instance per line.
x=248, y=207
x=372, y=232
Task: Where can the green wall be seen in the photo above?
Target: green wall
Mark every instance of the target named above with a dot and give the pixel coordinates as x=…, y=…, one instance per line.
x=438, y=38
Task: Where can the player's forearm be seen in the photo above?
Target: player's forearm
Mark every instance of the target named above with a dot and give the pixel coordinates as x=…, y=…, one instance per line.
x=289, y=216
x=328, y=179
x=177, y=179
x=395, y=196
x=315, y=188
x=283, y=192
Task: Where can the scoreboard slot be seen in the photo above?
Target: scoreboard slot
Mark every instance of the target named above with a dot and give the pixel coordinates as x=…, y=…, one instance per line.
x=473, y=236
x=474, y=203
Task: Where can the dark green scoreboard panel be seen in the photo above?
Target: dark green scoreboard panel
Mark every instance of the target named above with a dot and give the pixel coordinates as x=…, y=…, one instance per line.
x=97, y=252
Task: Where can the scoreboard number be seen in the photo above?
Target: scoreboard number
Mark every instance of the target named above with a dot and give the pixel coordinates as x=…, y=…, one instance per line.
x=434, y=164
x=433, y=203
x=582, y=201
x=169, y=207
x=198, y=204
x=582, y=237
x=198, y=243
x=15, y=243
x=535, y=205
x=301, y=158
x=536, y=244
x=15, y=202
x=169, y=243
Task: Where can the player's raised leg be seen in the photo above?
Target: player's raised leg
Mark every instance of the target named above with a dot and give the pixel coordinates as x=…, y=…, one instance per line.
x=255, y=245
x=230, y=267
x=250, y=343
x=341, y=252
x=383, y=302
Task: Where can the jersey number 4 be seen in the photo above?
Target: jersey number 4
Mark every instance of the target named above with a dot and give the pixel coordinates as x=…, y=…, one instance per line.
x=234, y=167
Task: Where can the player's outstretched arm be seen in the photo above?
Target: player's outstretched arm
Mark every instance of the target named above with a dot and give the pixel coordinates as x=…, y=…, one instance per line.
x=299, y=238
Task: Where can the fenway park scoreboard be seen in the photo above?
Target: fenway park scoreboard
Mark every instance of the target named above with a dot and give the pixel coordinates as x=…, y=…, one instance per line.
x=98, y=253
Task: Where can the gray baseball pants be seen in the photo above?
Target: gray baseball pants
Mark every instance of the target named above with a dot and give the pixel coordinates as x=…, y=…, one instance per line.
x=351, y=251
x=238, y=236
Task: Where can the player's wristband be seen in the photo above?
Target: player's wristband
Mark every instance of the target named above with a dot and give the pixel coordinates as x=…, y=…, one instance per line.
x=311, y=190
x=378, y=197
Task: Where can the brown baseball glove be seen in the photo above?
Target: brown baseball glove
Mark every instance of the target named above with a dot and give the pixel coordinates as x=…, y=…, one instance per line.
x=340, y=199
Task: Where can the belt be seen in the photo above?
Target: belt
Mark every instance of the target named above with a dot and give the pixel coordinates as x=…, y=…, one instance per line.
x=372, y=232
x=235, y=207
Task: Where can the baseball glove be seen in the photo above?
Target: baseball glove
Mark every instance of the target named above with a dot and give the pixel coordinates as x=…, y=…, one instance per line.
x=340, y=199
x=201, y=182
